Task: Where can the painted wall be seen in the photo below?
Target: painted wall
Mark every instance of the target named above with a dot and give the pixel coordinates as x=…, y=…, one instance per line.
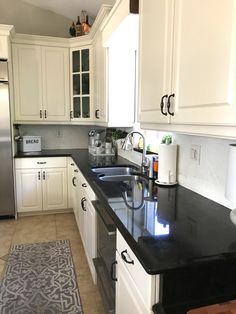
x=29, y=19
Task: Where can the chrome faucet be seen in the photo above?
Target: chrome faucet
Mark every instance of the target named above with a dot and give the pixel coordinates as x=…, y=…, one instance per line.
x=127, y=144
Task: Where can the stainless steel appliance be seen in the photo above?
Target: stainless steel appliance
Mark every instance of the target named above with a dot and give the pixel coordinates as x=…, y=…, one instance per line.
x=106, y=254
x=7, y=203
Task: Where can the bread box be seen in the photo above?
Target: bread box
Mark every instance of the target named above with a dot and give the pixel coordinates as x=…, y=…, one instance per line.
x=30, y=144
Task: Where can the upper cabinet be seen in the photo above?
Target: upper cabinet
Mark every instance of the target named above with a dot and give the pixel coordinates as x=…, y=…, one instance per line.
x=81, y=101
x=5, y=32
x=100, y=69
x=187, y=63
x=116, y=53
x=41, y=83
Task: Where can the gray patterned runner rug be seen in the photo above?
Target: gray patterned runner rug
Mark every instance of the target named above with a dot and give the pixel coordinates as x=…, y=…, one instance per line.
x=40, y=279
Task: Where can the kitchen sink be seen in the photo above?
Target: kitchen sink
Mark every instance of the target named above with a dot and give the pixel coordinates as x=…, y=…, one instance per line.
x=123, y=171
x=126, y=177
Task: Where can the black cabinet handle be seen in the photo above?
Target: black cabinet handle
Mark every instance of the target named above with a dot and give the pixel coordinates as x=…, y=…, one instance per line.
x=84, y=185
x=162, y=105
x=72, y=164
x=45, y=114
x=39, y=176
x=76, y=170
x=169, y=104
x=125, y=258
x=96, y=114
x=83, y=200
x=40, y=114
x=112, y=271
x=71, y=114
x=73, y=181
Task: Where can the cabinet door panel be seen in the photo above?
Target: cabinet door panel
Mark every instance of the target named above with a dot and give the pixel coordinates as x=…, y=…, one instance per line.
x=27, y=76
x=127, y=296
x=203, y=62
x=100, y=79
x=156, y=23
x=90, y=231
x=4, y=47
x=81, y=87
x=56, y=83
x=29, y=191
x=54, y=188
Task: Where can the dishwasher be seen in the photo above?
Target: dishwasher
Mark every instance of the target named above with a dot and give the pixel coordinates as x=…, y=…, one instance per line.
x=106, y=254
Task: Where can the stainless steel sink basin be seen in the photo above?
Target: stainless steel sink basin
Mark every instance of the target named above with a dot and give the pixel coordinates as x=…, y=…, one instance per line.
x=115, y=171
x=125, y=177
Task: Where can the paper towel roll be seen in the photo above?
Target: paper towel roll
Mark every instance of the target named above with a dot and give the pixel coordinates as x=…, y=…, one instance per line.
x=230, y=187
x=167, y=156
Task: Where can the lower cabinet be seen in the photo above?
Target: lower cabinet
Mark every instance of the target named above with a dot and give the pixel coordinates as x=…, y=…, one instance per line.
x=41, y=184
x=136, y=290
x=128, y=299
x=85, y=214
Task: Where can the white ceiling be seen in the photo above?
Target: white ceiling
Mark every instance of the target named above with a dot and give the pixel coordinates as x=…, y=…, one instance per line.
x=71, y=8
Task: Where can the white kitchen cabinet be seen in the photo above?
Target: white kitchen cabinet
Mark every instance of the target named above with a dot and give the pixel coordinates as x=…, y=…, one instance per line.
x=136, y=291
x=81, y=84
x=100, y=80
x=4, y=42
x=29, y=190
x=6, y=31
x=85, y=216
x=41, y=184
x=115, y=46
x=187, y=59
x=54, y=188
x=41, y=83
x=128, y=299
x=55, y=64
x=71, y=182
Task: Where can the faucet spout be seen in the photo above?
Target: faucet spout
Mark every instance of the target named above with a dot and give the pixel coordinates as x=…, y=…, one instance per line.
x=127, y=143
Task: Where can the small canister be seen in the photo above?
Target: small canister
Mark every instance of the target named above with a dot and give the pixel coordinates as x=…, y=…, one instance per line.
x=155, y=167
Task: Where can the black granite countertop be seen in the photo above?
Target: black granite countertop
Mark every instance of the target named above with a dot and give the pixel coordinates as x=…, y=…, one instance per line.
x=167, y=227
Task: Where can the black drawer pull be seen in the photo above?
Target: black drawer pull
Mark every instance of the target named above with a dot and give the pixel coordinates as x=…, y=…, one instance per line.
x=83, y=201
x=124, y=257
x=76, y=170
x=84, y=185
x=96, y=114
x=41, y=162
x=169, y=104
x=112, y=271
x=162, y=105
x=73, y=181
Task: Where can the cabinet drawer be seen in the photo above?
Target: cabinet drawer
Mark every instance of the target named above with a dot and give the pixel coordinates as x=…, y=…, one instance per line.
x=47, y=162
x=86, y=187
x=147, y=285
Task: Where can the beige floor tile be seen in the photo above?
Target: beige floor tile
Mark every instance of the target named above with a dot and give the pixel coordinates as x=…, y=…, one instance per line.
x=35, y=229
x=2, y=266
x=5, y=244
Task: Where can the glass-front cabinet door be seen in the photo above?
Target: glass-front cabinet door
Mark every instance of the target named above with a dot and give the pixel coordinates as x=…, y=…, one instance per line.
x=81, y=84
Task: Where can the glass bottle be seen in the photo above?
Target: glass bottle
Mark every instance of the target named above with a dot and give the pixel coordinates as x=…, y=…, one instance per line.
x=78, y=26
x=72, y=30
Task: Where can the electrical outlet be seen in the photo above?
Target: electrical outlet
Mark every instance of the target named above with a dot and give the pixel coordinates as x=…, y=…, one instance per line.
x=59, y=133
x=195, y=153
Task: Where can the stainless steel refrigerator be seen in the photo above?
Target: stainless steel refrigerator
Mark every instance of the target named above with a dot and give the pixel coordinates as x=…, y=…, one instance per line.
x=7, y=202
